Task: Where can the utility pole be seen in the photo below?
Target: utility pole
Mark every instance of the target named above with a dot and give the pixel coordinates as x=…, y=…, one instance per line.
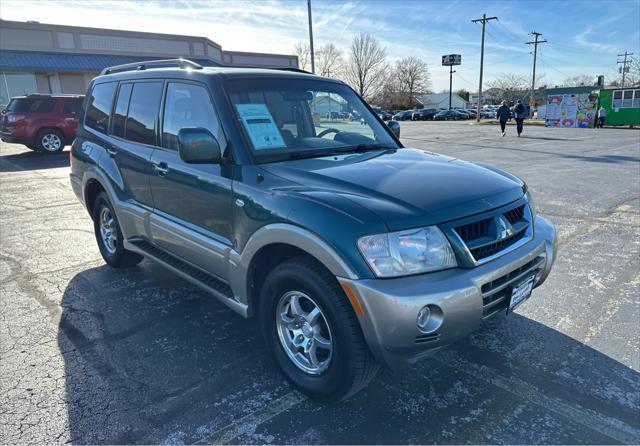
x=624, y=66
x=313, y=63
x=450, y=83
x=484, y=21
x=535, y=43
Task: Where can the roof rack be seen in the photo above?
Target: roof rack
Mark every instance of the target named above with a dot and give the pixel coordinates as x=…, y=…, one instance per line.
x=143, y=65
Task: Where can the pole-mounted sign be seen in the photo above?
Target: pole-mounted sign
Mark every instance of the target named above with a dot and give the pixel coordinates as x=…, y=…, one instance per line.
x=449, y=60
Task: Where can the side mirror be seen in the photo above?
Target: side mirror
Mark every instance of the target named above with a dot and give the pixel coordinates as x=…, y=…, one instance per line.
x=198, y=146
x=394, y=126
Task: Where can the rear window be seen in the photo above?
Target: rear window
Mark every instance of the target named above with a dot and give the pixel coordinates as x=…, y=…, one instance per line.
x=99, y=107
x=31, y=105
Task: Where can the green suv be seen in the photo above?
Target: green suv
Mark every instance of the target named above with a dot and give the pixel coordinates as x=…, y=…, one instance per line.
x=350, y=250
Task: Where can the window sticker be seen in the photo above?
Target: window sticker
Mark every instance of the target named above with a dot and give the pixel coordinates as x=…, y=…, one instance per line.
x=260, y=126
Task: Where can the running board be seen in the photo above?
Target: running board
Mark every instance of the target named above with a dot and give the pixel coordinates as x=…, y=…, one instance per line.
x=194, y=275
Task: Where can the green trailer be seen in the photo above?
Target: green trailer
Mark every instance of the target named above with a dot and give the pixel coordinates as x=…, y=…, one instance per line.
x=621, y=104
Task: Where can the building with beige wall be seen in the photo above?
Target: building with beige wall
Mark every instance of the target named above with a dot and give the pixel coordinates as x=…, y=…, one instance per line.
x=43, y=58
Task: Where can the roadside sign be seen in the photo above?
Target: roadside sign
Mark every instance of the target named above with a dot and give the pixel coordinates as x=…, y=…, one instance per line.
x=451, y=59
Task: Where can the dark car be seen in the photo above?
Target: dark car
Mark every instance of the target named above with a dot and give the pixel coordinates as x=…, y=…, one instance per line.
x=45, y=123
x=424, y=114
x=349, y=249
x=448, y=115
x=385, y=115
x=403, y=115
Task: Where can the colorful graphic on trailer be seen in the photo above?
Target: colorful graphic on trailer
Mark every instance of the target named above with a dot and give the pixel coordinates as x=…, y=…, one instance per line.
x=571, y=110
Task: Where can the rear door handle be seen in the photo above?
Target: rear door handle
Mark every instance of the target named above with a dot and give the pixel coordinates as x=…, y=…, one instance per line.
x=161, y=168
x=112, y=151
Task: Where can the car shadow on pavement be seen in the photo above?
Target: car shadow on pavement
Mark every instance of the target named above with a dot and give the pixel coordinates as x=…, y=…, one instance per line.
x=151, y=359
x=29, y=160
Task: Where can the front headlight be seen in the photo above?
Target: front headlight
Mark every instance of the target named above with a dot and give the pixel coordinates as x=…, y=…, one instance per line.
x=407, y=252
x=529, y=199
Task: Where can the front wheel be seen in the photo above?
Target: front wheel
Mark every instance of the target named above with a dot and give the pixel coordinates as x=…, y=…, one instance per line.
x=312, y=331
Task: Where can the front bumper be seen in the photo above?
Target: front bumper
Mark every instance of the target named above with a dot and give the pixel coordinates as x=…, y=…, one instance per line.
x=464, y=296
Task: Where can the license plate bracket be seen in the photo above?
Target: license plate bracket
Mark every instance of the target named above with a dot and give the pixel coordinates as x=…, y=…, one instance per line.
x=520, y=293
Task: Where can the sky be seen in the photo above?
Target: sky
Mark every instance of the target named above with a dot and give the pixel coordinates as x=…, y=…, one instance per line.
x=584, y=37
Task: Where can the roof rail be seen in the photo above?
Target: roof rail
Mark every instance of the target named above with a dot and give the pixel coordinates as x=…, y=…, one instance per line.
x=143, y=65
x=296, y=70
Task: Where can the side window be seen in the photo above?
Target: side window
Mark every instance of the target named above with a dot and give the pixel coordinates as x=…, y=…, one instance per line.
x=617, y=99
x=72, y=106
x=99, y=107
x=120, y=112
x=143, y=110
x=187, y=105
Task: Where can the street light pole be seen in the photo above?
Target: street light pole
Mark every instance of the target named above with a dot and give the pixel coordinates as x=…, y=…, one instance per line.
x=450, y=83
x=313, y=63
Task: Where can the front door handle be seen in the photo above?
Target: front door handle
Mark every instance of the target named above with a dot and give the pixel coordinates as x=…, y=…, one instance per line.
x=161, y=168
x=112, y=151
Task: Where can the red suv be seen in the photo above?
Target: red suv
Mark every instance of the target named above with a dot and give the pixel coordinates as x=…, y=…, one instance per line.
x=45, y=123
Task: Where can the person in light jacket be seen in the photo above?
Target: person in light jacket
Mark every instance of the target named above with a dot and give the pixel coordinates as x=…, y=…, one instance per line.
x=602, y=113
x=520, y=112
x=503, y=114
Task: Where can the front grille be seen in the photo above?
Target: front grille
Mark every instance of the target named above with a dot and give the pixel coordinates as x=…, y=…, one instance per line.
x=494, y=248
x=474, y=230
x=496, y=294
x=489, y=236
x=426, y=338
x=515, y=215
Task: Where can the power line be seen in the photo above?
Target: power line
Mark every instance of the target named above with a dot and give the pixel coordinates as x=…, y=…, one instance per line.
x=484, y=21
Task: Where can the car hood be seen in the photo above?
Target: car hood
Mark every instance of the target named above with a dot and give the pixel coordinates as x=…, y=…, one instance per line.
x=405, y=188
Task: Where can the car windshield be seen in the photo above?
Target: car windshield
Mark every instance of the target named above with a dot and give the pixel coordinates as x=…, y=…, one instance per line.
x=289, y=119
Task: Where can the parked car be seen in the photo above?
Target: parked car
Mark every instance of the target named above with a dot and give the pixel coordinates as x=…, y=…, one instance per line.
x=424, y=114
x=45, y=123
x=403, y=115
x=385, y=115
x=342, y=270
x=473, y=114
x=448, y=115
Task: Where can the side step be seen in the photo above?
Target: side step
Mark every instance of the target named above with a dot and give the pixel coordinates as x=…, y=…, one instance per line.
x=196, y=276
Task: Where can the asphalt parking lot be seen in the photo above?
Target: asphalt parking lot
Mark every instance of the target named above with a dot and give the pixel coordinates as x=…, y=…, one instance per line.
x=89, y=354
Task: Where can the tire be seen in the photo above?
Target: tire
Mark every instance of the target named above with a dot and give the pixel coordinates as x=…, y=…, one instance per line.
x=349, y=366
x=50, y=141
x=113, y=252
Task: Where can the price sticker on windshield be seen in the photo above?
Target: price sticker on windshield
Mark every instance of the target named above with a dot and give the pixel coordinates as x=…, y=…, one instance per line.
x=260, y=126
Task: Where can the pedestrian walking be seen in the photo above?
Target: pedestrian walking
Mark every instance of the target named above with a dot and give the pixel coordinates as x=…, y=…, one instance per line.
x=520, y=113
x=602, y=113
x=503, y=114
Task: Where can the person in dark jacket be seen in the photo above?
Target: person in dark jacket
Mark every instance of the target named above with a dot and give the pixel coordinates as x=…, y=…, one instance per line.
x=520, y=113
x=503, y=114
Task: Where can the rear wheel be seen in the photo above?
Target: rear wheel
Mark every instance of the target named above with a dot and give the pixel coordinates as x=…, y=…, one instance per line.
x=313, y=333
x=50, y=141
x=109, y=236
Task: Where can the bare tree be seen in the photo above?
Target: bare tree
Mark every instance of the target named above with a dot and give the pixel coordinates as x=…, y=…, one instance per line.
x=329, y=61
x=413, y=76
x=580, y=80
x=366, y=67
x=510, y=87
x=301, y=49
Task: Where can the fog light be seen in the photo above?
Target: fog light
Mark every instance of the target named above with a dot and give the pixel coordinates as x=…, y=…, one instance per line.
x=429, y=318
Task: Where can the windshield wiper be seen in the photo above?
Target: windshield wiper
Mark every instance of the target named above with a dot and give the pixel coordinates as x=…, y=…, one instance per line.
x=363, y=148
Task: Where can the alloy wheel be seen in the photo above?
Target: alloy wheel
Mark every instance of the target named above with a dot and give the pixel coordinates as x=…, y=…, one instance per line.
x=108, y=230
x=304, y=332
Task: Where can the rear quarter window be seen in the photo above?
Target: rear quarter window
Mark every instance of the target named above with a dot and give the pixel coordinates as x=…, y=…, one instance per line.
x=72, y=106
x=99, y=107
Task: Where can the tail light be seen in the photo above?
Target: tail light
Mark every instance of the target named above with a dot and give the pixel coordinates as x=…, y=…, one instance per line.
x=13, y=118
